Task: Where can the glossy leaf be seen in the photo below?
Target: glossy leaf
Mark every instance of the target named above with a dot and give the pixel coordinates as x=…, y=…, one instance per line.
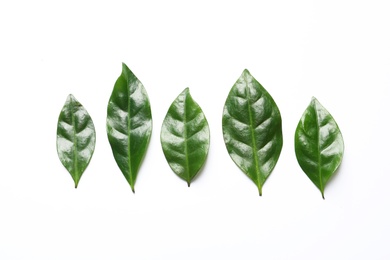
x=252, y=129
x=319, y=145
x=75, y=138
x=185, y=137
x=129, y=123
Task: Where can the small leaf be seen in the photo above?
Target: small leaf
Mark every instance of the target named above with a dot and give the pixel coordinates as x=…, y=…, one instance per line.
x=319, y=145
x=129, y=123
x=252, y=129
x=75, y=138
x=185, y=137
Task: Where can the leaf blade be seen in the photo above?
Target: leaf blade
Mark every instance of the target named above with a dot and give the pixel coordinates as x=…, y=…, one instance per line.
x=185, y=137
x=129, y=124
x=76, y=138
x=319, y=145
x=252, y=129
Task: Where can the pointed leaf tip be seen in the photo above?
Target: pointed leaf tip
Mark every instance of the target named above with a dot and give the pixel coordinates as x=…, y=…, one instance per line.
x=260, y=190
x=185, y=92
x=71, y=98
x=127, y=73
x=246, y=72
x=76, y=181
x=314, y=101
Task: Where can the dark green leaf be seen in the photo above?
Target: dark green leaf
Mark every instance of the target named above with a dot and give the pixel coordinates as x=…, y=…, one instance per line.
x=319, y=145
x=185, y=137
x=75, y=138
x=252, y=129
x=129, y=124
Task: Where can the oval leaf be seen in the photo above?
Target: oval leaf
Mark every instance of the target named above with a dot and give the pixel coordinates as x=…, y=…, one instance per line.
x=252, y=129
x=185, y=137
x=75, y=138
x=319, y=145
x=129, y=124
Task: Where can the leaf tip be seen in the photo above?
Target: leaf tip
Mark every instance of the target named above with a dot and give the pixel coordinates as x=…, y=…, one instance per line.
x=125, y=69
x=186, y=91
x=314, y=99
x=188, y=183
x=260, y=190
x=70, y=98
x=323, y=196
x=76, y=180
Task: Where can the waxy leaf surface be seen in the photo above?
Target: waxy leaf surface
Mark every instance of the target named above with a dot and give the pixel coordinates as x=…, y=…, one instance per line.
x=185, y=137
x=319, y=145
x=75, y=138
x=252, y=129
x=129, y=124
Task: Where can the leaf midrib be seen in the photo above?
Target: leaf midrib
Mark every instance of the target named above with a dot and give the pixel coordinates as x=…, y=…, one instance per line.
x=187, y=168
x=253, y=146
x=128, y=134
x=76, y=170
x=318, y=150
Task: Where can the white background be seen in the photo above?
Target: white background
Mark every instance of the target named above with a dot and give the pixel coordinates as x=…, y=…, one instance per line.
x=337, y=51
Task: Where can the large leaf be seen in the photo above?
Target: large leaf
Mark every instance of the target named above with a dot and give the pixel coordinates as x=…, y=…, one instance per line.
x=129, y=123
x=252, y=129
x=185, y=137
x=319, y=145
x=75, y=138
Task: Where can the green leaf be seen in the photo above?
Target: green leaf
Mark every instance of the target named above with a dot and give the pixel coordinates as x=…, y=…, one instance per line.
x=75, y=138
x=129, y=124
x=185, y=137
x=252, y=129
x=319, y=145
